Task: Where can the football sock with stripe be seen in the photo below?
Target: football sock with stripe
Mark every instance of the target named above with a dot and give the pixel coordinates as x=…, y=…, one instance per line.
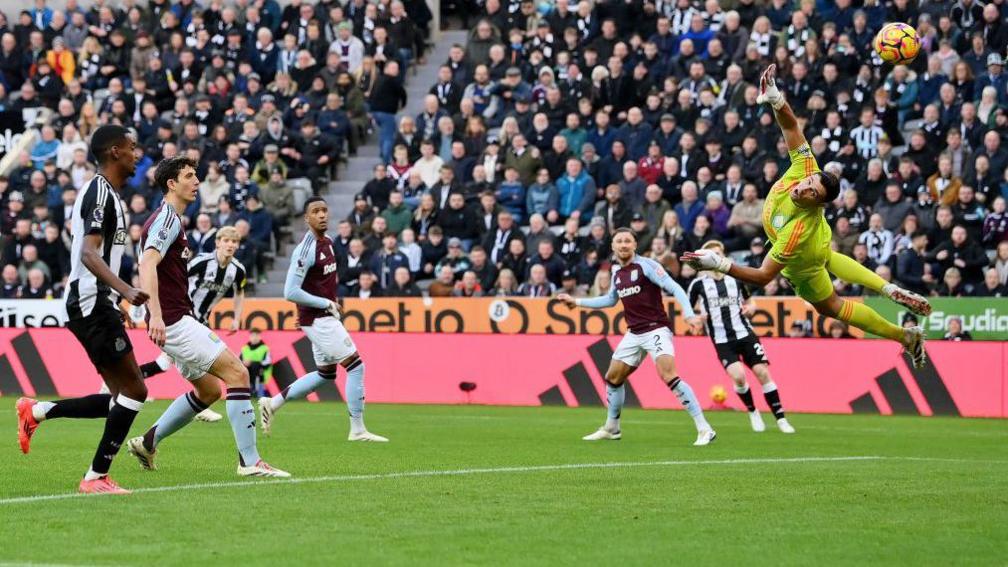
x=867, y=319
x=355, y=395
x=745, y=394
x=615, y=396
x=689, y=402
x=850, y=271
x=117, y=426
x=772, y=398
x=243, y=423
x=87, y=407
x=181, y=411
x=150, y=369
x=299, y=389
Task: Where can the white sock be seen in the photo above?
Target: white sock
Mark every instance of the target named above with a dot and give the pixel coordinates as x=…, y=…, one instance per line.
x=40, y=410
x=91, y=475
x=741, y=389
x=612, y=424
x=689, y=402
x=357, y=424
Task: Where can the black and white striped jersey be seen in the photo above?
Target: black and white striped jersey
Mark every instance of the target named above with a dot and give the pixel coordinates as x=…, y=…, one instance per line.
x=97, y=210
x=209, y=282
x=722, y=300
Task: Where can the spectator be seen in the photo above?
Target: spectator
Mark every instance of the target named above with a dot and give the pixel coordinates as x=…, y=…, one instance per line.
x=955, y=332
x=444, y=286
x=403, y=285
x=511, y=194
x=362, y=215
x=543, y=198
x=995, y=228
x=432, y=249
x=278, y=200
x=203, y=238
x=367, y=286
x=11, y=282
x=35, y=286
x=386, y=98
x=991, y=286
x=893, y=207
x=469, y=286
x=577, y=191
x=877, y=240
x=350, y=267
x=506, y=284
x=386, y=261
x=30, y=261
x=912, y=269
x=485, y=271
x=260, y=222
x=690, y=207
x=537, y=284
x=952, y=285
x=457, y=221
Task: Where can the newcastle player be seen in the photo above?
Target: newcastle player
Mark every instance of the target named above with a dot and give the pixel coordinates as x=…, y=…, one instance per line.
x=724, y=302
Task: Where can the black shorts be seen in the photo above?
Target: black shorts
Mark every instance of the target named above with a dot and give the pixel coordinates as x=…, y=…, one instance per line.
x=748, y=349
x=103, y=336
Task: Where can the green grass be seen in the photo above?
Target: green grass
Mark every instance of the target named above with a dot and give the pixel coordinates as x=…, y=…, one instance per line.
x=950, y=506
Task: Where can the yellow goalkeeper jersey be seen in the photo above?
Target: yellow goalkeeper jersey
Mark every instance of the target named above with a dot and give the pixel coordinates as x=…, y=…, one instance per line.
x=800, y=236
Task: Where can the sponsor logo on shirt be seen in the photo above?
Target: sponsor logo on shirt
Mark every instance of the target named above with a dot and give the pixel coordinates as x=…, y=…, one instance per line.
x=629, y=291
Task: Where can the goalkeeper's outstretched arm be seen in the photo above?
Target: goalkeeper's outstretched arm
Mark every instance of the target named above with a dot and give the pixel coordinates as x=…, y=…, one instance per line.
x=710, y=260
x=770, y=94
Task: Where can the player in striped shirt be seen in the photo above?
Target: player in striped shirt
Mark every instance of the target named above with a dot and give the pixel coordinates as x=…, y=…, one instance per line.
x=98, y=227
x=725, y=304
x=793, y=220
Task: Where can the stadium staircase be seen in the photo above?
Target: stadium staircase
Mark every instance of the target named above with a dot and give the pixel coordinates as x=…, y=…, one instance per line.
x=357, y=170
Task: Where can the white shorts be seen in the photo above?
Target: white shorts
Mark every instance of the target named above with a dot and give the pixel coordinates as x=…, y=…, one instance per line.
x=192, y=347
x=330, y=341
x=633, y=347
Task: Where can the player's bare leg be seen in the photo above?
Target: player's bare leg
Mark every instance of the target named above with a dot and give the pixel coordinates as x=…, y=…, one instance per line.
x=670, y=375
x=615, y=377
x=772, y=397
x=736, y=371
x=867, y=319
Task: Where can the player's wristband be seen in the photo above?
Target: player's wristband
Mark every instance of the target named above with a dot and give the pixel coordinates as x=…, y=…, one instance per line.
x=577, y=302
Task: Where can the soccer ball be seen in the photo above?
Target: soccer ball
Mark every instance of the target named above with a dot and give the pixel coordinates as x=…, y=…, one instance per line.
x=897, y=43
x=718, y=394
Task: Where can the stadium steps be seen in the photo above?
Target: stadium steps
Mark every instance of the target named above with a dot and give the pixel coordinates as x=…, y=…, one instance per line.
x=356, y=171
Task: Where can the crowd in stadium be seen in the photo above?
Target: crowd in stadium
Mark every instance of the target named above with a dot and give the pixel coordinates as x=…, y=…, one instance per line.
x=555, y=124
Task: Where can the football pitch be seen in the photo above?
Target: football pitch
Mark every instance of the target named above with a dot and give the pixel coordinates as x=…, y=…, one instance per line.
x=492, y=485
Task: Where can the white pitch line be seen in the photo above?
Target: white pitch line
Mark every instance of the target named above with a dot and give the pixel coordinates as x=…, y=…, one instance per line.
x=455, y=472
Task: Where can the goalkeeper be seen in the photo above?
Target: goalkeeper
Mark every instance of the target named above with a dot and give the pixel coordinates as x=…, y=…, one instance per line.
x=794, y=222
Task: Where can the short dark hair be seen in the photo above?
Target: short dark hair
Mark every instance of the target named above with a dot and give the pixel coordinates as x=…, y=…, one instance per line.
x=309, y=201
x=831, y=184
x=170, y=169
x=624, y=230
x=104, y=138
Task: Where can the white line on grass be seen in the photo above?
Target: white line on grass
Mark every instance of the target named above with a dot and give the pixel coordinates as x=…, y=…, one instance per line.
x=455, y=472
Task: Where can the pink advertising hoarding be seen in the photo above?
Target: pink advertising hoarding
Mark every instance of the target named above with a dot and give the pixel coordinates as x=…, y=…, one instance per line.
x=815, y=375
